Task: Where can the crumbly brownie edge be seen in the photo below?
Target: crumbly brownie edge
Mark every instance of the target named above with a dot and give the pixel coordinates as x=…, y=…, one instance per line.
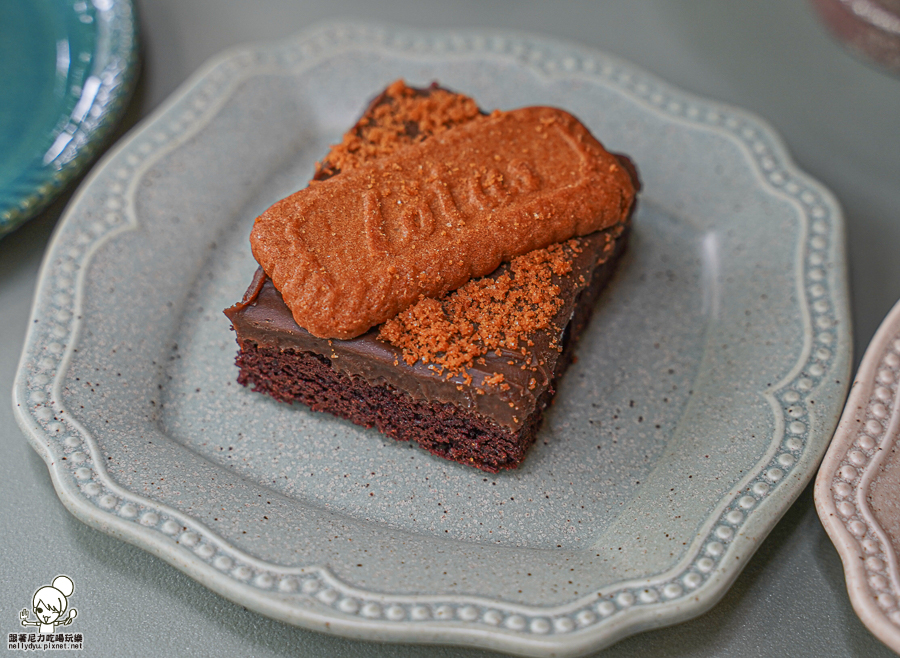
x=443, y=429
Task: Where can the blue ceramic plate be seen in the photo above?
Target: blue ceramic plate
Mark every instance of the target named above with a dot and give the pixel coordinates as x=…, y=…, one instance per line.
x=66, y=71
x=706, y=389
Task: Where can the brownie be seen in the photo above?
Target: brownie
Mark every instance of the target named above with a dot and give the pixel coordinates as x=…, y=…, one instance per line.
x=466, y=377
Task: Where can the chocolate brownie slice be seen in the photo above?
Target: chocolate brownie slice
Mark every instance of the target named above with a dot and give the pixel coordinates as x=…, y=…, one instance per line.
x=466, y=377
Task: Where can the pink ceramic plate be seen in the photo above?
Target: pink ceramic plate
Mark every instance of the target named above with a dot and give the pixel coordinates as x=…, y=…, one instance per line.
x=858, y=487
x=868, y=27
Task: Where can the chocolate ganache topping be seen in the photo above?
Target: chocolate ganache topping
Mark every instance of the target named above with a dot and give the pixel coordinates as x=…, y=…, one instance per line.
x=451, y=348
x=505, y=384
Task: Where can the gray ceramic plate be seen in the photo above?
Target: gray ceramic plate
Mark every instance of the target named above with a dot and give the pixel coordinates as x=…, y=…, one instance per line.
x=705, y=391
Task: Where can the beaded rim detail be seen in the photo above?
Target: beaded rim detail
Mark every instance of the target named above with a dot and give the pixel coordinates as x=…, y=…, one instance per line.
x=586, y=624
x=868, y=432
x=108, y=84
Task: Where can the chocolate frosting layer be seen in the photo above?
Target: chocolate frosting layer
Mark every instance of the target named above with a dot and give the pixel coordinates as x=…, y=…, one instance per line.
x=263, y=317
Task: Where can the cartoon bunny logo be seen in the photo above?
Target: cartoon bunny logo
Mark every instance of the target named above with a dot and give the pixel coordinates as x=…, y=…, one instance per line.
x=49, y=605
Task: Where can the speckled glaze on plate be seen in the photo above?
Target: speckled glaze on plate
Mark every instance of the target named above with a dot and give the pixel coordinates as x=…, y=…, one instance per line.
x=858, y=487
x=67, y=69
x=705, y=391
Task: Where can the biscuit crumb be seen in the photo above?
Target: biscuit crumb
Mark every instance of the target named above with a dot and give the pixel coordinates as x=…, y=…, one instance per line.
x=484, y=315
x=401, y=116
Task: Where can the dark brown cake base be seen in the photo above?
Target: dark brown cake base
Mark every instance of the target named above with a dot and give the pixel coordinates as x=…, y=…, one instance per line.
x=439, y=428
x=444, y=429
x=485, y=415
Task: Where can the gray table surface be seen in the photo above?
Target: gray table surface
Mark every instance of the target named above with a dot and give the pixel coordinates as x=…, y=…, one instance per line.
x=840, y=118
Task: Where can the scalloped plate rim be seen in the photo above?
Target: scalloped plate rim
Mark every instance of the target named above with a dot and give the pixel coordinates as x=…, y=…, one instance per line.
x=596, y=635
x=853, y=557
x=45, y=184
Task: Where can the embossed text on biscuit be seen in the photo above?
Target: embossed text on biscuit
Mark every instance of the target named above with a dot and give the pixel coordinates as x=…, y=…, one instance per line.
x=427, y=218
